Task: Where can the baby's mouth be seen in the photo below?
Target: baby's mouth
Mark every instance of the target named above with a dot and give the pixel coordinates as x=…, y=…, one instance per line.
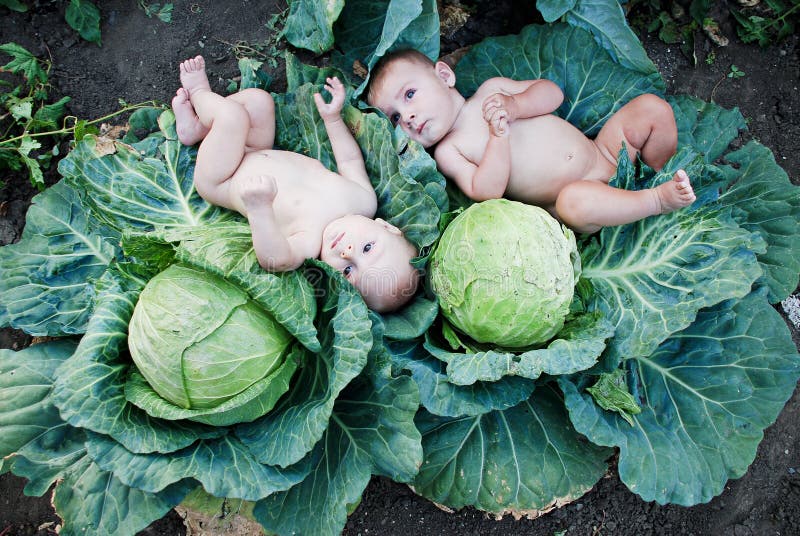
x=337, y=240
x=419, y=128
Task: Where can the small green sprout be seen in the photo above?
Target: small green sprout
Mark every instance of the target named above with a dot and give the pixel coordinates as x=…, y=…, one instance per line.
x=735, y=72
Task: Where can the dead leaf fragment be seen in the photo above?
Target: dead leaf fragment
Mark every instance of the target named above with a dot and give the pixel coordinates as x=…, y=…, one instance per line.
x=359, y=69
x=452, y=17
x=113, y=131
x=105, y=146
x=712, y=31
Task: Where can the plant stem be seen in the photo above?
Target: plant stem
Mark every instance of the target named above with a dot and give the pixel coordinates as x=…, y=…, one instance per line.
x=66, y=130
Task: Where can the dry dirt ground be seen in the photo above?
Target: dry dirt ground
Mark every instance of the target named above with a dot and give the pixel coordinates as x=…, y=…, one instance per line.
x=138, y=61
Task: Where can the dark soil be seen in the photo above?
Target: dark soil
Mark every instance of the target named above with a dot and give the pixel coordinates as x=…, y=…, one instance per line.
x=138, y=61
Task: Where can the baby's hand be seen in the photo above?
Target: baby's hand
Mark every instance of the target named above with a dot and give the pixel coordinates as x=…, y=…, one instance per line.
x=257, y=191
x=497, y=117
x=496, y=113
x=332, y=109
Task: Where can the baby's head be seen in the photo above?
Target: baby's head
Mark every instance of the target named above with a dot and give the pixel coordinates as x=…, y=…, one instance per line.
x=375, y=257
x=416, y=93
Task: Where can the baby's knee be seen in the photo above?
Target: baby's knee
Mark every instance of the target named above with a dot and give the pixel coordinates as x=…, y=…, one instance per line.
x=257, y=101
x=573, y=205
x=655, y=108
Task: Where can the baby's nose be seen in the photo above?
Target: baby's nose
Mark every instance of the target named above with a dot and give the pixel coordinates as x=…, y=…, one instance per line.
x=346, y=252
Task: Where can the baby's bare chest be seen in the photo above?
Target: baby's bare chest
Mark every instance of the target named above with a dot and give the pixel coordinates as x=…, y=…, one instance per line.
x=309, y=195
x=536, y=142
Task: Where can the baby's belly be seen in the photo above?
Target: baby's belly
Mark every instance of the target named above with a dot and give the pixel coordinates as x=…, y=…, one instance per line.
x=308, y=194
x=282, y=165
x=544, y=160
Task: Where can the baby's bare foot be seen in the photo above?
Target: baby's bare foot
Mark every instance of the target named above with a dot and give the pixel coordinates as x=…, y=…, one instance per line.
x=193, y=75
x=676, y=193
x=188, y=125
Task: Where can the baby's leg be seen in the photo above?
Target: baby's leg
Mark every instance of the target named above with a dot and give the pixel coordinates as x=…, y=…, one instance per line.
x=647, y=126
x=261, y=110
x=589, y=205
x=258, y=103
x=188, y=125
x=223, y=147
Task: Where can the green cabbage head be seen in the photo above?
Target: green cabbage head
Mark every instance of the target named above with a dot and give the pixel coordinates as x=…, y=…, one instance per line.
x=206, y=349
x=505, y=272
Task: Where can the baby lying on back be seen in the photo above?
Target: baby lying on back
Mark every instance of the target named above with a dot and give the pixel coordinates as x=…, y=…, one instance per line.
x=296, y=208
x=504, y=141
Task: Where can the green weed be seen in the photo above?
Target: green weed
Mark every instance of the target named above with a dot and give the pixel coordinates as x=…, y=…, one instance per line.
x=31, y=129
x=768, y=23
x=162, y=12
x=735, y=72
x=81, y=15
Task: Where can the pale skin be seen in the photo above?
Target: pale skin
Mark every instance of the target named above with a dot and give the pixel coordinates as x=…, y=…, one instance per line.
x=297, y=209
x=505, y=141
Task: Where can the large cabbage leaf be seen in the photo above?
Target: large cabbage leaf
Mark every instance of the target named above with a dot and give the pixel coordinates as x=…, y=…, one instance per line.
x=651, y=277
x=368, y=29
x=371, y=432
x=53, y=297
x=126, y=189
x=707, y=394
x=594, y=85
x=523, y=460
x=763, y=200
x=605, y=19
x=39, y=446
x=309, y=24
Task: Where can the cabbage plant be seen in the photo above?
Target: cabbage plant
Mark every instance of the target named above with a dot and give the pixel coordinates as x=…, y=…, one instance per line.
x=685, y=363
x=670, y=356
x=179, y=364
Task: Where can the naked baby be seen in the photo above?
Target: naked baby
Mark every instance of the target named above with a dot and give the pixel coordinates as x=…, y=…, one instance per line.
x=504, y=141
x=296, y=208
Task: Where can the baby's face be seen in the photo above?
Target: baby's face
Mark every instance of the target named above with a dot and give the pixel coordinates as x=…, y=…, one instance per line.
x=374, y=256
x=419, y=98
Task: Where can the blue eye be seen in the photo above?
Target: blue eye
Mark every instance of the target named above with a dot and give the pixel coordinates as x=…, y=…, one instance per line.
x=394, y=118
x=410, y=93
x=367, y=247
x=347, y=270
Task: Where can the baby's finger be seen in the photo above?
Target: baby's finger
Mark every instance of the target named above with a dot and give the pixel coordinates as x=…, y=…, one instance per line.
x=502, y=124
x=494, y=114
x=490, y=103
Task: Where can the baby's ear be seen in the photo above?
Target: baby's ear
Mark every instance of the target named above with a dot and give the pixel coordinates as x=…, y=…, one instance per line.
x=389, y=227
x=445, y=73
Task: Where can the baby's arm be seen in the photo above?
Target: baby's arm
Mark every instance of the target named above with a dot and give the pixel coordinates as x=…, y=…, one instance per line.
x=512, y=100
x=275, y=252
x=349, y=160
x=487, y=180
